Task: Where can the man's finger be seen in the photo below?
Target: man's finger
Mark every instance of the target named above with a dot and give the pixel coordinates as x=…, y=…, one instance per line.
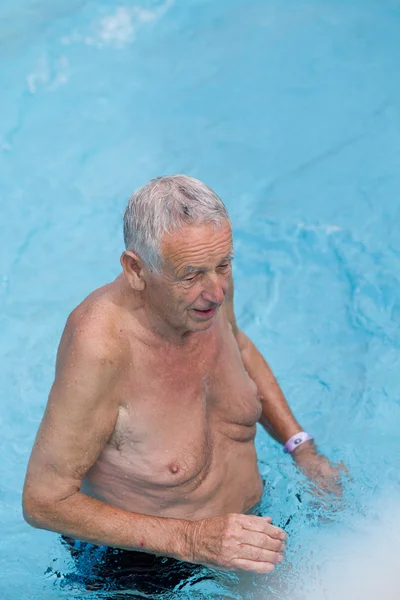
x=262, y=540
x=260, y=554
x=343, y=467
x=261, y=525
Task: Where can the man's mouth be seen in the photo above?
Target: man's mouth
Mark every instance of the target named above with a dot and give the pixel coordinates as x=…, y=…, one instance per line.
x=209, y=312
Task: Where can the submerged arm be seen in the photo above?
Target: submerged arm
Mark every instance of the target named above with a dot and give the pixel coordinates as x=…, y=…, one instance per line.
x=277, y=417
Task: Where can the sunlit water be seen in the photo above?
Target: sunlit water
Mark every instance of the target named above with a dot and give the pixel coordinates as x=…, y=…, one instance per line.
x=291, y=111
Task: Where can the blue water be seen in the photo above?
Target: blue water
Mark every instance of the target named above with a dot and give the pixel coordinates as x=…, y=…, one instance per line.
x=291, y=111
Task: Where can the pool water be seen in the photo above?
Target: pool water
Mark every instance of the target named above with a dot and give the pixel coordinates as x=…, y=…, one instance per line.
x=291, y=111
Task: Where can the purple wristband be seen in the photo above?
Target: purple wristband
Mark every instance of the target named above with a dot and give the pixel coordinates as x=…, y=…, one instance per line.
x=297, y=440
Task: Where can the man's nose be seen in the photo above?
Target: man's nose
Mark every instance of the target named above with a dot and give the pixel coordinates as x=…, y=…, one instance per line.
x=215, y=289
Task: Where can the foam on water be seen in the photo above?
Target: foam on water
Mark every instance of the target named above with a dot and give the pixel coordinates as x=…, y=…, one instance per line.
x=364, y=563
x=119, y=28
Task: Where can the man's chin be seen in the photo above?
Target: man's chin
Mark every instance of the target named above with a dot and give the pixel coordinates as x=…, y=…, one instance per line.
x=205, y=326
x=202, y=324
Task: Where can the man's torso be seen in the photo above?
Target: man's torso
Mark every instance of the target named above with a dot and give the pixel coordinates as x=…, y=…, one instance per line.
x=183, y=443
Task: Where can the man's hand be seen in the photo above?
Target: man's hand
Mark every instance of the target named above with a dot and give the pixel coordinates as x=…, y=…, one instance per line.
x=326, y=477
x=236, y=542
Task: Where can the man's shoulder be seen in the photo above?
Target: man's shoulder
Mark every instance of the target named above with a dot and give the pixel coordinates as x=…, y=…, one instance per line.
x=96, y=314
x=92, y=328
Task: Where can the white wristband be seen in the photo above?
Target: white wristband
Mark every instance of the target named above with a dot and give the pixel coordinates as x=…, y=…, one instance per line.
x=296, y=440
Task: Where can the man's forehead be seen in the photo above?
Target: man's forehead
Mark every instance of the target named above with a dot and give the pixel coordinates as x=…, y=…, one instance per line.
x=194, y=245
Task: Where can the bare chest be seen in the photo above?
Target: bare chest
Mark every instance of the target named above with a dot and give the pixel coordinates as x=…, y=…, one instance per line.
x=180, y=412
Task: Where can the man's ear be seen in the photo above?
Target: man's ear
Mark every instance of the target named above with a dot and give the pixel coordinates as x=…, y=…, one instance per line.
x=133, y=265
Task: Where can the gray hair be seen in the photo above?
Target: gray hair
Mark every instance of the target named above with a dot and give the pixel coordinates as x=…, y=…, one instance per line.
x=162, y=206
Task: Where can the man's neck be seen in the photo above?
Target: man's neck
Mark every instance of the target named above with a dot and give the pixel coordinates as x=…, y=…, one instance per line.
x=154, y=330
x=162, y=332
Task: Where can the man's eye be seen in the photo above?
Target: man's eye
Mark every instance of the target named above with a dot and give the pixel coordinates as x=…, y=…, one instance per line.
x=225, y=266
x=190, y=278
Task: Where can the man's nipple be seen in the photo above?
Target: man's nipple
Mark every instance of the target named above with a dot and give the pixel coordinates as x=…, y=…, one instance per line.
x=173, y=468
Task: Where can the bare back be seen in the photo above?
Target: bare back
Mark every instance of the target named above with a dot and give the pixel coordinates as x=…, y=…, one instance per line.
x=183, y=441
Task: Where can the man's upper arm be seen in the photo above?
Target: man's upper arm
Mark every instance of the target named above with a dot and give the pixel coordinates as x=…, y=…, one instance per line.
x=80, y=417
x=229, y=305
x=240, y=337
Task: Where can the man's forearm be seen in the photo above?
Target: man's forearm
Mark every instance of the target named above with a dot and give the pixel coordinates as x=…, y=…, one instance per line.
x=81, y=517
x=277, y=418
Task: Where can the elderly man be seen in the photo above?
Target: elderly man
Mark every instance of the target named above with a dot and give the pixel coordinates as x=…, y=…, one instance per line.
x=147, y=442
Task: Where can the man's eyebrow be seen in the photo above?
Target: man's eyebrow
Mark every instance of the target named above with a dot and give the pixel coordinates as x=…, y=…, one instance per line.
x=189, y=270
